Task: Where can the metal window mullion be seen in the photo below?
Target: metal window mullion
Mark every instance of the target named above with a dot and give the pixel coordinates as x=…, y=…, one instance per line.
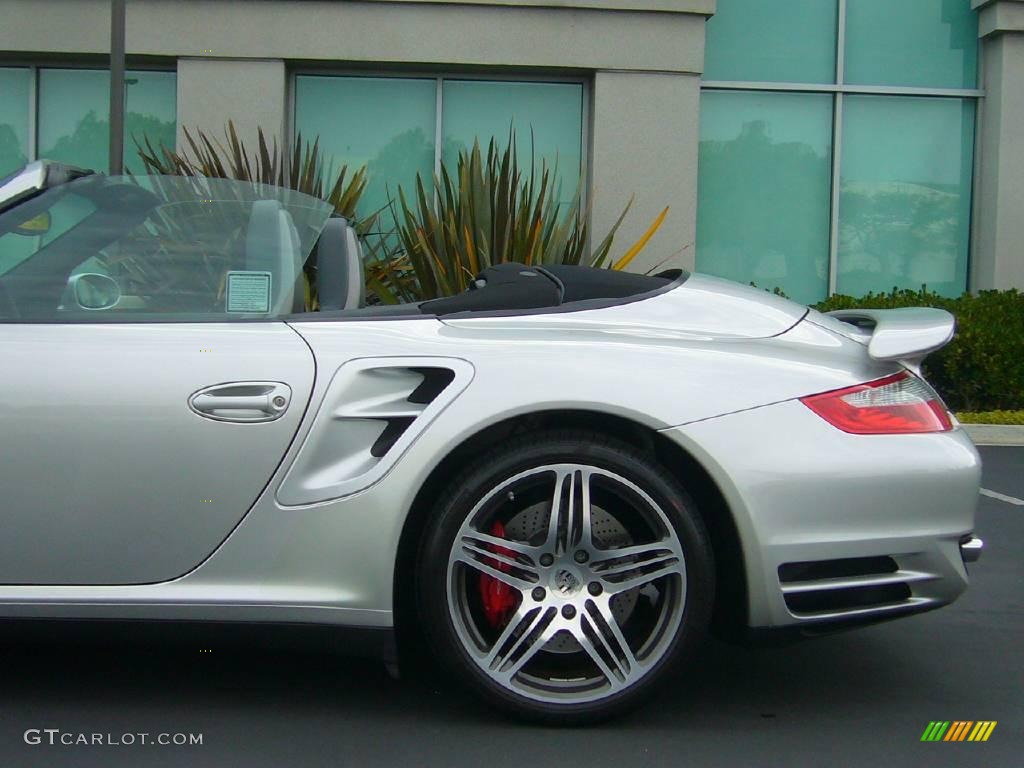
x=438, y=125
x=976, y=180
x=875, y=90
x=438, y=140
x=585, y=179
x=291, y=117
x=32, y=150
x=837, y=154
x=434, y=74
x=841, y=43
x=837, y=150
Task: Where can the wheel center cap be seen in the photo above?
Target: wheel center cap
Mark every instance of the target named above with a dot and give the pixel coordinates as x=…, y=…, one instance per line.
x=565, y=582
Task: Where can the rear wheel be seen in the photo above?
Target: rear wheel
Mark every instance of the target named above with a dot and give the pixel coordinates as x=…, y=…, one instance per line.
x=564, y=575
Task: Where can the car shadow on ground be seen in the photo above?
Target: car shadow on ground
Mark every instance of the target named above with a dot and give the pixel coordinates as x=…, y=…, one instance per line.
x=839, y=673
x=867, y=694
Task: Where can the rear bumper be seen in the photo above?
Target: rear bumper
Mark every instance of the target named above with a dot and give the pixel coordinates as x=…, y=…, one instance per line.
x=839, y=528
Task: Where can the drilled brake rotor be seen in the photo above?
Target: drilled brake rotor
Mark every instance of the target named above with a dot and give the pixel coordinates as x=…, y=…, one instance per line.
x=532, y=523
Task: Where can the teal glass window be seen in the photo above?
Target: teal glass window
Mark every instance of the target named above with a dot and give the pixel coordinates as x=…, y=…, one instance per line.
x=905, y=200
x=74, y=109
x=385, y=123
x=14, y=105
x=74, y=105
x=772, y=40
x=389, y=124
x=894, y=126
x=151, y=113
x=763, y=190
x=547, y=119
x=923, y=43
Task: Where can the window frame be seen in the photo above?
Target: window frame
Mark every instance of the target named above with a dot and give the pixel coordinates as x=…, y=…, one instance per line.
x=439, y=76
x=839, y=89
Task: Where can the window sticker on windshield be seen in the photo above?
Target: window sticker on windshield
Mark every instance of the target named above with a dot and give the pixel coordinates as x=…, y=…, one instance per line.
x=248, y=292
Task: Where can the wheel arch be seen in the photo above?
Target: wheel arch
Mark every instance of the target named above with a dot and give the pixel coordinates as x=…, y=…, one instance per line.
x=731, y=602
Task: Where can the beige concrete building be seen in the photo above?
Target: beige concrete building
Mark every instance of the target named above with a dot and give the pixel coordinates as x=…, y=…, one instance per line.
x=817, y=145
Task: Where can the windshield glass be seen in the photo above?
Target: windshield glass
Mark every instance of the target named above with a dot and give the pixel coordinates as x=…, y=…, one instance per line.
x=172, y=244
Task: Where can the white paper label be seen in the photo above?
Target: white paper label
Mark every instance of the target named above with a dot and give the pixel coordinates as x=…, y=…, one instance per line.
x=248, y=292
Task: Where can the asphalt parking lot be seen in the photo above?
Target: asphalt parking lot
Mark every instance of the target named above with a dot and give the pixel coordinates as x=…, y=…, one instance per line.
x=861, y=698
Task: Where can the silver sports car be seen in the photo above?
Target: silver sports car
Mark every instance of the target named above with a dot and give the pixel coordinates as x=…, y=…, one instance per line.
x=559, y=479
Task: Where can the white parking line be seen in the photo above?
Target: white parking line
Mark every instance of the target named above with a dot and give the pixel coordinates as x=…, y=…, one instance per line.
x=1002, y=497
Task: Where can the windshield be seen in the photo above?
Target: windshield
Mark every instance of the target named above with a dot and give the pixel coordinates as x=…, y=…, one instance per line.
x=172, y=244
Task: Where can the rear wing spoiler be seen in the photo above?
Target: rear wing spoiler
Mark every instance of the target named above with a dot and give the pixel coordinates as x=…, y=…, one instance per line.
x=908, y=334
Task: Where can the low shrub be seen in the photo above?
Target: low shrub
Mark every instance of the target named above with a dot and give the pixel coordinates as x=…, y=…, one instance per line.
x=982, y=369
x=992, y=417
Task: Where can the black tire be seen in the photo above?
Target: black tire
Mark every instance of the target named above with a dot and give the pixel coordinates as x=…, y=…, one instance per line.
x=435, y=582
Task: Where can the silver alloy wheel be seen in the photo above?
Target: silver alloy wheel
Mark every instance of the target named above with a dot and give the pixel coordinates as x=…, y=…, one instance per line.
x=569, y=590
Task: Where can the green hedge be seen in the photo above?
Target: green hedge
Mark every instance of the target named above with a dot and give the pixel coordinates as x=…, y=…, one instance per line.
x=992, y=417
x=982, y=369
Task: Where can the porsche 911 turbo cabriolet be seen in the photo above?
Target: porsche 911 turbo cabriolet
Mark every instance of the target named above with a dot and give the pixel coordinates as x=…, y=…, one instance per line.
x=561, y=478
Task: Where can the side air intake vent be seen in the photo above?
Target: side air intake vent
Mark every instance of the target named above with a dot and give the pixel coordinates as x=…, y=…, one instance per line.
x=372, y=411
x=395, y=429
x=856, y=586
x=434, y=382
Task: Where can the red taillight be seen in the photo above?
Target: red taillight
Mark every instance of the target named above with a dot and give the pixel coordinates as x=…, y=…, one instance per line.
x=897, y=404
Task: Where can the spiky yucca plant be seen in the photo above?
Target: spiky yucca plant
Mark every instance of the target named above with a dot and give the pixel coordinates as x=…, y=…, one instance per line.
x=301, y=168
x=489, y=212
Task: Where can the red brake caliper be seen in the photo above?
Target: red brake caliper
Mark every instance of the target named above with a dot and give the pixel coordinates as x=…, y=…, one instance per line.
x=499, y=598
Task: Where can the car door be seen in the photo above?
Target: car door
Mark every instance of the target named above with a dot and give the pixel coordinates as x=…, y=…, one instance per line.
x=108, y=474
x=137, y=429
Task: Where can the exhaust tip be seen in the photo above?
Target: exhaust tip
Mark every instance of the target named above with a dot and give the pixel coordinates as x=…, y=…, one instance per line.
x=970, y=548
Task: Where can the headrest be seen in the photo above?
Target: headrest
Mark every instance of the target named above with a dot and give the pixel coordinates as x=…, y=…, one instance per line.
x=339, y=264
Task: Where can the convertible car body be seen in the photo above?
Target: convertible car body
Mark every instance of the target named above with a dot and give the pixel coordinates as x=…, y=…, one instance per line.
x=561, y=477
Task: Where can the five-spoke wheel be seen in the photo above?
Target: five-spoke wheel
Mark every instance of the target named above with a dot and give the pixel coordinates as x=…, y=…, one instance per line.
x=567, y=571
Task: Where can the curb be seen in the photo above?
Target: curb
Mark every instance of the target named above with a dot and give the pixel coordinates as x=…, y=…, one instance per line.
x=995, y=434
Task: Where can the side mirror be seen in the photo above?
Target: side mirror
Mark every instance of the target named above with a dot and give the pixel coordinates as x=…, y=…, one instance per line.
x=93, y=291
x=37, y=225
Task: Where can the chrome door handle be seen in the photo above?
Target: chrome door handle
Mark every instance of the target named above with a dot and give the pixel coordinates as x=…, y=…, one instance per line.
x=242, y=401
x=209, y=403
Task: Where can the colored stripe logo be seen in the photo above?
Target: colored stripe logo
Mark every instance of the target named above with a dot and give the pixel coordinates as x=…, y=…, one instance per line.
x=958, y=730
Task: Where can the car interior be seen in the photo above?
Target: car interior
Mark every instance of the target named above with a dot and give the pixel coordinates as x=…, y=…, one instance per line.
x=174, y=260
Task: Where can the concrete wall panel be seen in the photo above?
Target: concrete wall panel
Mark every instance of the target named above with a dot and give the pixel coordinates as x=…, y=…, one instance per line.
x=375, y=32
x=251, y=93
x=998, y=257
x=644, y=143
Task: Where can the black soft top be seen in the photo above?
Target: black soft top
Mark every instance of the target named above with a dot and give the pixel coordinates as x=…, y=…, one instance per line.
x=518, y=286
